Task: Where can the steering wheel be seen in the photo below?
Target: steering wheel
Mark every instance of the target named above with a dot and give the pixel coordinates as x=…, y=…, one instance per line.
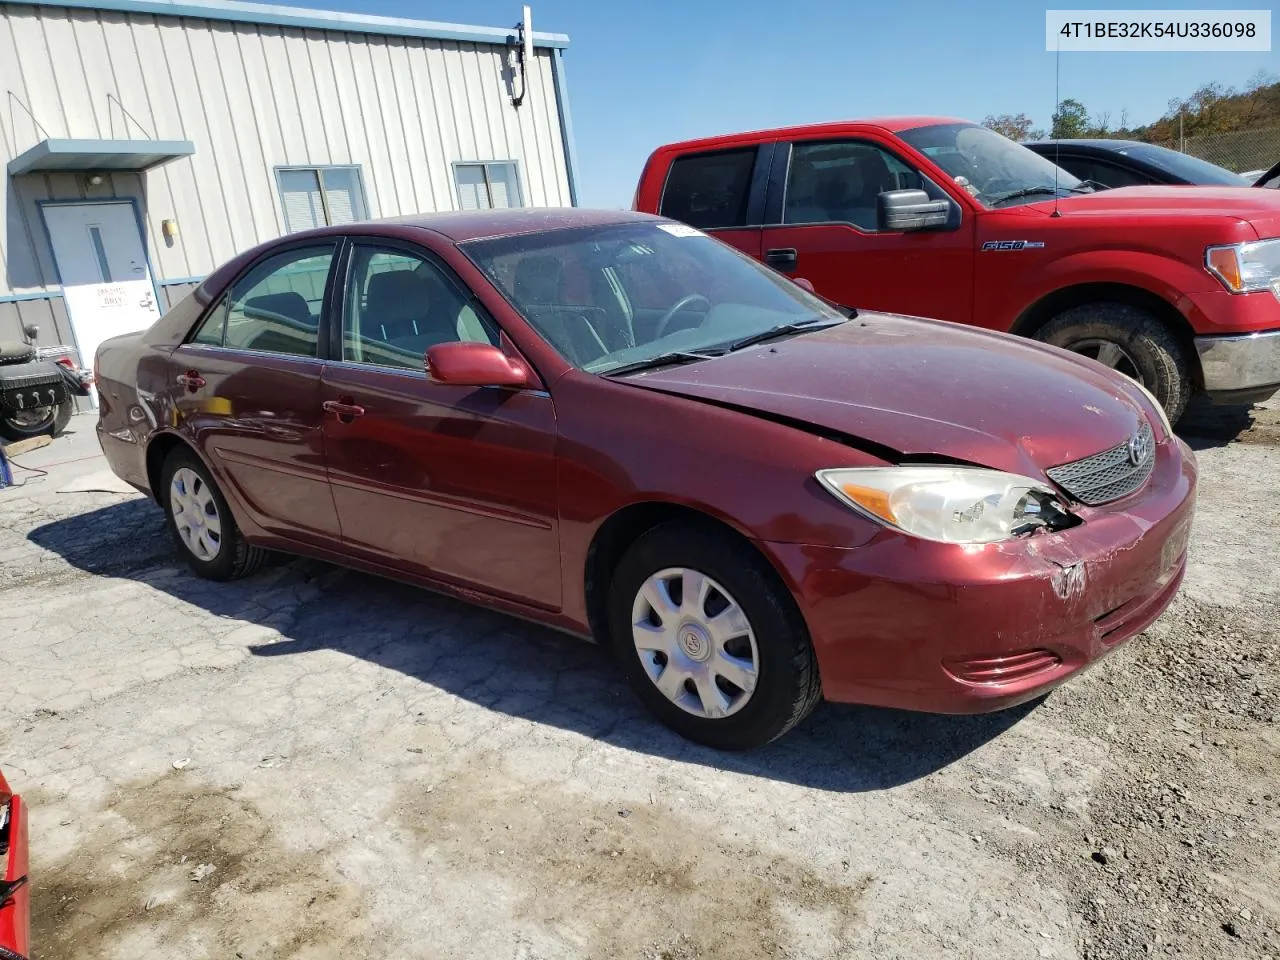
x=679, y=305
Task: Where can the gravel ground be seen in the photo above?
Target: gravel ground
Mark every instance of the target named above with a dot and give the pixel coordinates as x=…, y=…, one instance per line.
x=315, y=763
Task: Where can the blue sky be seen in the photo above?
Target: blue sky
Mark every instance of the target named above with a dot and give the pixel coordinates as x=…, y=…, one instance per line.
x=646, y=73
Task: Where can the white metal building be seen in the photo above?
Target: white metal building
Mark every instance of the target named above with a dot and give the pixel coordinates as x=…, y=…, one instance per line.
x=144, y=142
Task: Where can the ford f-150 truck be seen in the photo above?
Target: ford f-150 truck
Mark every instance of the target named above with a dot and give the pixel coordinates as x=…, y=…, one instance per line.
x=1178, y=287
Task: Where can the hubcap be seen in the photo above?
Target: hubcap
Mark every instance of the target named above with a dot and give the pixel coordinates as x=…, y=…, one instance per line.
x=195, y=514
x=1111, y=354
x=695, y=643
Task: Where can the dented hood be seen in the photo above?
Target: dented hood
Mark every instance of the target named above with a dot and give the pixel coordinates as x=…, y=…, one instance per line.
x=921, y=388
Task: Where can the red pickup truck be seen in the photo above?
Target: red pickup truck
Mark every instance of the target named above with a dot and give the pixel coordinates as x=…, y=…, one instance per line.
x=1178, y=287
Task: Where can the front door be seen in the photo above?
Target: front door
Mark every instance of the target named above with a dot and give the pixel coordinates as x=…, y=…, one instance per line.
x=102, y=264
x=246, y=391
x=831, y=237
x=455, y=483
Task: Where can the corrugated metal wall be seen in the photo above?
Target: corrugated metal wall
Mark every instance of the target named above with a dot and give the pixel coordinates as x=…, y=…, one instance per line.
x=251, y=98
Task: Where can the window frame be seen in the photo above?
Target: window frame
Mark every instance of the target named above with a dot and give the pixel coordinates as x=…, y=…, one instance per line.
x=318, y=169
x=221, y=302
x=338, y=299
x=488, y=183
x=755, y=213
x=780, y=181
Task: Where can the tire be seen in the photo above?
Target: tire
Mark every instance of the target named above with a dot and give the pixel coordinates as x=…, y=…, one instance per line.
x=786, y=682
x=16, y=427
x=1150, y=352
x=233, y=557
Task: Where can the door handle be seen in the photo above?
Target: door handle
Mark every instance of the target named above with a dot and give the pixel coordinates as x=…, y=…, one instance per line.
x=784, y=258
x=344, y=410
x=191, y=380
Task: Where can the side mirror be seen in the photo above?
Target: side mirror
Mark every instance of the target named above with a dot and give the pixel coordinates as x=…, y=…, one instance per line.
x=901, y=211
x=803, y=284
x=474, y=364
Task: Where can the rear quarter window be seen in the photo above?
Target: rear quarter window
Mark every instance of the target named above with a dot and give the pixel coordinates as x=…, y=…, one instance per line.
x=709, y=190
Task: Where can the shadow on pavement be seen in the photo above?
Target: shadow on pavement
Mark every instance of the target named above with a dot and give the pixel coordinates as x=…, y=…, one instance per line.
x=1205, y=425
x=507, y=665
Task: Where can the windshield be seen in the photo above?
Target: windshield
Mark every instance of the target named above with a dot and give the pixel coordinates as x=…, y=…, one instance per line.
x=1185, y=167
x=993, y=168
x=622, y=294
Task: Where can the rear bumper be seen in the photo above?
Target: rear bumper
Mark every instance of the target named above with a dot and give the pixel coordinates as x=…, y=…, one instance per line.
x=1243, y=367
x=943, y=628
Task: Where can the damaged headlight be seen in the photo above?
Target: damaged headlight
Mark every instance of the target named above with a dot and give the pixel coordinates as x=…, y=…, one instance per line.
x=948, y=504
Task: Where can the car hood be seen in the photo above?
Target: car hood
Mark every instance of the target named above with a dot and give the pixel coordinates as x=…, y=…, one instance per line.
x=1259, y=207
x=906, y=389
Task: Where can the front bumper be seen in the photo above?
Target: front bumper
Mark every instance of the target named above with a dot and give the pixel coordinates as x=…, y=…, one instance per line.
x=1243, y=367
x=944, y=628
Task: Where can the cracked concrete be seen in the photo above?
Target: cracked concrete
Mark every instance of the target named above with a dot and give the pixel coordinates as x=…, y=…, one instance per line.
x=375, y=771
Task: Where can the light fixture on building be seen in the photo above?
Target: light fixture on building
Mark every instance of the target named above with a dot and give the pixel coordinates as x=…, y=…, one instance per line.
x=95, y=179
x=524, y=56
x=170, y=229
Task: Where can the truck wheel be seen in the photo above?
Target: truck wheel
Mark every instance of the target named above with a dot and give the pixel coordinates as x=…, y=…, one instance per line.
x=1130, y=341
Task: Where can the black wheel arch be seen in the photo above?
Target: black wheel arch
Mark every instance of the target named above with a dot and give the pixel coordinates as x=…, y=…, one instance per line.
x=1049, y=306
x=158, y=450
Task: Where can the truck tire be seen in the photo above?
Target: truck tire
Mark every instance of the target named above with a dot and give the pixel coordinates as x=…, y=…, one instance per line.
x=1131, y=341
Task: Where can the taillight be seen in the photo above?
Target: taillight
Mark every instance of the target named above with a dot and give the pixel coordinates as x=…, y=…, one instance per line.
x=66, y=362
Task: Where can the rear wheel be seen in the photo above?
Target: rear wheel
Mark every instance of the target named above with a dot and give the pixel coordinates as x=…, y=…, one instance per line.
x=709, y=639
x=201, y=523
x=21, y=424
x=1131, y=341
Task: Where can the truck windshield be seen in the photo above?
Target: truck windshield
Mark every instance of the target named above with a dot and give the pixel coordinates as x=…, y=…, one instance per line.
x=626, y=295
x=999, y=172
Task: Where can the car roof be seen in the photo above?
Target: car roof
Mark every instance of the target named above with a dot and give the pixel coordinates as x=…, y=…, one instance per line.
x=890, y=124
x=1099, y=143
x=462, y=225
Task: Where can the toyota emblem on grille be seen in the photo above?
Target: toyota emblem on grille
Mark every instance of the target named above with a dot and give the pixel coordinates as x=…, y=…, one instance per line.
x=1139, y=448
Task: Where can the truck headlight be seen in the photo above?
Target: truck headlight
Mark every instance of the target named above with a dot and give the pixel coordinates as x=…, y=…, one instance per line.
x=1246, y=267
x=948, y=504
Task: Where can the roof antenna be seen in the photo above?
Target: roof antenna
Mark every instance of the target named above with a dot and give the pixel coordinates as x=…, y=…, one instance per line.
x=1057, y=111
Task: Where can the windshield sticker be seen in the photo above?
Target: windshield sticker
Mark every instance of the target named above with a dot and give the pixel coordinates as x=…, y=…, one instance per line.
x=1013, y=245
x=680, y=230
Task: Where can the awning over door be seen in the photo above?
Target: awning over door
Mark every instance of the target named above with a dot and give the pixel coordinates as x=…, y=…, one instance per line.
x=98, y=156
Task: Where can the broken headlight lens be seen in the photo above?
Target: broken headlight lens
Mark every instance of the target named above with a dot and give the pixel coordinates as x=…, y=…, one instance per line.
x=948, y=504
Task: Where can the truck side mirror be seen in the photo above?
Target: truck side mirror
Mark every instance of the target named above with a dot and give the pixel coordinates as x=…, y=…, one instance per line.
x=901, y=211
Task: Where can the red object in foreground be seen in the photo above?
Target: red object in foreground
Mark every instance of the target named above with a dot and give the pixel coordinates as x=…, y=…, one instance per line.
x=15, y=908
x=628, y=430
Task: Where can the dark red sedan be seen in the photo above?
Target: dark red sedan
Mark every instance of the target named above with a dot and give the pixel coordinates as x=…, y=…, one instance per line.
x=628, y=430
x=15, y=905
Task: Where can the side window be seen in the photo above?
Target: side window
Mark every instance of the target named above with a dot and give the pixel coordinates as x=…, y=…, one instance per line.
x=1113, y=176
x=276, y=306
x=709, y=190
x=210, y=331
x=399, y=305
x=841, y=182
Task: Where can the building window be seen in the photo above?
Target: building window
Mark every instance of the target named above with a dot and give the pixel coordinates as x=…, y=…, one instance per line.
x=320, y=196
x=485, y=186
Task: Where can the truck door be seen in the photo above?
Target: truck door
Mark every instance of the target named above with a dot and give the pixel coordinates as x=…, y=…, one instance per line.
x=822, y=225
x=720, y=192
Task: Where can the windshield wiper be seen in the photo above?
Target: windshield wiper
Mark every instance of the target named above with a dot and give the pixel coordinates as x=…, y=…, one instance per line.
x=661, y=360
x=814, y=323
x=1026, y=192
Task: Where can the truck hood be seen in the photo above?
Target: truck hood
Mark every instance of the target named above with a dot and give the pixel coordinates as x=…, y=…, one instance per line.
x=1258, y=207
x=905, y=389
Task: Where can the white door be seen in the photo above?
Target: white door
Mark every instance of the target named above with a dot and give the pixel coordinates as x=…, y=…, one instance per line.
x=102, y=263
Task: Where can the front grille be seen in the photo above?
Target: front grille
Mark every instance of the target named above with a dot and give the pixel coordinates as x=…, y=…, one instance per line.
x=1111, y=474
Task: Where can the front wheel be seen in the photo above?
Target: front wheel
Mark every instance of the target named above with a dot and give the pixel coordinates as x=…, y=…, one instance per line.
x=709, y=639
x=23, y=424
x=1131, y=341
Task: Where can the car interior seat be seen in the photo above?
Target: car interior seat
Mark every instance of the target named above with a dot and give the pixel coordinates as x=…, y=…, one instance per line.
x=537, y=287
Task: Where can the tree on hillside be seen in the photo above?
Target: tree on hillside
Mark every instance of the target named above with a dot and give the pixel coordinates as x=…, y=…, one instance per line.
x=1015, y=126
x=1071, y=119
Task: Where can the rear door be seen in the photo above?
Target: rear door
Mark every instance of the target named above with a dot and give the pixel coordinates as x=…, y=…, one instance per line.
x=455, y=483
x=247, y=391
x=720, y=192
x=822, y=225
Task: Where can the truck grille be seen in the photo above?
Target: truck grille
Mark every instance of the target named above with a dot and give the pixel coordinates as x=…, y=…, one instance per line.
x=1111, y=474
